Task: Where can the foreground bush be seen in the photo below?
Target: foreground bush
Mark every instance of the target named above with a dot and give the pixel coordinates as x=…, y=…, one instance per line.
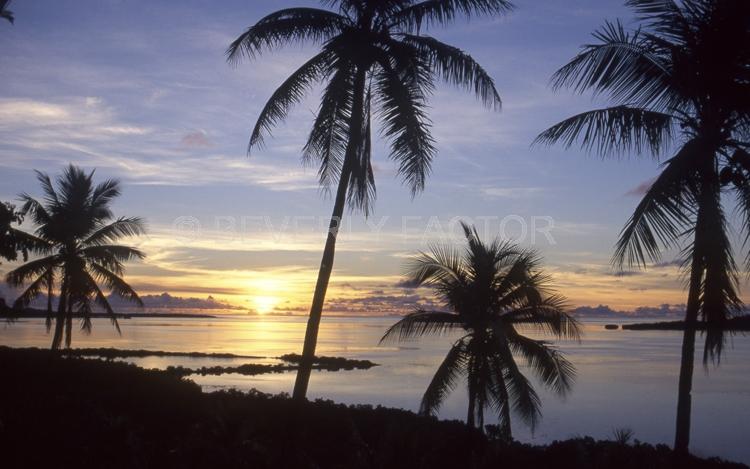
x=74, y=412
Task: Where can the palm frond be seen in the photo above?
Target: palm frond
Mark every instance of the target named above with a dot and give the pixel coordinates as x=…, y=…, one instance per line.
x=549, y=364
x=286, y=26
x=34, y=289
x=32, y=269
x=445, y=379
x=117, y=285
x=663, y=214
x=362, y=192
x=662, y=16
x=420, y=323
x=525, y=401
x=5, y=13
x=101, y=199
x=457, y=67
x=35, y=209
x=405, y=123
x=613, y=130
x=290, y=93
x=628, y=67
x=50, y=194
x=111, y=256
x=720, y=299
x=432, y=12
x=329, y=136
x=442, y=263
x=123, y=227
x=547, y=315
x=103, y=302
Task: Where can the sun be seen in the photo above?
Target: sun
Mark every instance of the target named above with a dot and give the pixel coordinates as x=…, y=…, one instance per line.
x=265, y=304
x=264, y=296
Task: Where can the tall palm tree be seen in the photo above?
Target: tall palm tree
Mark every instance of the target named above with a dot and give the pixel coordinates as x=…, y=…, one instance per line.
x=5, y=13
x=76, y=225
x=493, y=292
x=372, y=57
x=680, y=83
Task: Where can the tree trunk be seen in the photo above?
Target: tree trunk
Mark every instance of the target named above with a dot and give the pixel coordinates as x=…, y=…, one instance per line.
x=687, y=362
x=69, y=326
x=60, y=317
x=326, y=264
x=471, y=412
x=507, y=431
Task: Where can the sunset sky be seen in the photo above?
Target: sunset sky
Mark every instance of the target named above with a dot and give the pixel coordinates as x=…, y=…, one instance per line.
x=141, y=91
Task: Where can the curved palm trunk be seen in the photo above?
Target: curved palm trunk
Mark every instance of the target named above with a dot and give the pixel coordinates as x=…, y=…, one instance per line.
x=687, y=362
x=326, y=264
x=69, y=326
x=507, y=430
x=471, y=412
x=60, y=317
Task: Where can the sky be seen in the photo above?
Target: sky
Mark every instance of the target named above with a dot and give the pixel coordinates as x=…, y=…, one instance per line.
x=141, y=91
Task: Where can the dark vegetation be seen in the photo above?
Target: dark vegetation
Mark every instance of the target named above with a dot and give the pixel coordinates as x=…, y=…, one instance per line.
x=319, y=363
x=93, y=413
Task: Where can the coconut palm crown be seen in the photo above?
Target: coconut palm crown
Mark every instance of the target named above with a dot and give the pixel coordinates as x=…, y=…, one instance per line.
x=76, y=230
x=373, y=61
x=493, y=293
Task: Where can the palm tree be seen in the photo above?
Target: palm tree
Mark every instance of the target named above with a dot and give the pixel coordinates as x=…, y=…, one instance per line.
x=372, y=56
x=77, y=228
x=493, y=293
x=5, y=13
x=12, y=240
x=679, y=84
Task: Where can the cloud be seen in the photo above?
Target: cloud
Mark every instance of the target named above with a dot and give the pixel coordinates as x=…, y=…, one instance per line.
x=406, y=284
x=167, y=301
x=88, y=132
x=661, y=311
x=666, y=264
x=511, y=192
x=641, y=189
x=197, y=139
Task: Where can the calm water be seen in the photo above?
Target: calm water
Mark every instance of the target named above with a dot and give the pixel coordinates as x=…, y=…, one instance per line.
x=625, y=378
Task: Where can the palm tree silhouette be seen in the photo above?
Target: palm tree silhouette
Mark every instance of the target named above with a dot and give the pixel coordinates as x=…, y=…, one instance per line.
x=76, y=225
x=680, y=82
x=13, y=240
x=5, y=13
x=493, y=292
x=372, y=56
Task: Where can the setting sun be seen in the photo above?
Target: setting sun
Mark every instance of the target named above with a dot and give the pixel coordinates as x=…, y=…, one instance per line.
x=265, y=304
x=263, y=294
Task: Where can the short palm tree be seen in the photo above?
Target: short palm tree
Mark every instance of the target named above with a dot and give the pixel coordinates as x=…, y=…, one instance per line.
x=493, y=293
x=76, y=225
x=372, y=58
x=12, y=239
x=680, y=82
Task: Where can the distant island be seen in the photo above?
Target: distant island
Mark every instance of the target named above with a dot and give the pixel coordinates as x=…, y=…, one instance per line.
x=740, y=323
x=31, y=313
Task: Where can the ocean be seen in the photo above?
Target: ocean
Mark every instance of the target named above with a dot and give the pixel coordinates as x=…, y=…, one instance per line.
x=626, y=379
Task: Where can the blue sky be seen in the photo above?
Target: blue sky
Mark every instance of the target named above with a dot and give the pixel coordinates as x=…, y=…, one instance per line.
x=140, y=90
